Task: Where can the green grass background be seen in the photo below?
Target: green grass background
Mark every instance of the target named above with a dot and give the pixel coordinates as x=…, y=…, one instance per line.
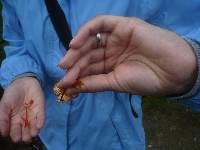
x=168, y=126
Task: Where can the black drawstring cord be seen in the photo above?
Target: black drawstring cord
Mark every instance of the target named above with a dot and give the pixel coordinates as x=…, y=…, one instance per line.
x=135, y=114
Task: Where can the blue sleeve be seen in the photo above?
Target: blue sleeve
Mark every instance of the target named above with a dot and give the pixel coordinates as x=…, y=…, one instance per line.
x=183, y=18
x=17, y=61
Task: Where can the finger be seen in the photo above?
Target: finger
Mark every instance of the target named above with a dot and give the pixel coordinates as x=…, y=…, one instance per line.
x=73, y=55
x=4, y=118
x=16, y=130
x=97, y=55
x=69, y=78
x=94, y=69
x=69, y=59
x=94, y=83
x=40, y=117
x=33, y=127
x=39, y=114
x=101, y=67
x=26, y=136
x=37, y=110
x=98, y=24
x=73, y=74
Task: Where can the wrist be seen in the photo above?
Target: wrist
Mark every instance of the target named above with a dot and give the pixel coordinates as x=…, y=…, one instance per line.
x=192, y=85
x=25, y=81
x=27, y=74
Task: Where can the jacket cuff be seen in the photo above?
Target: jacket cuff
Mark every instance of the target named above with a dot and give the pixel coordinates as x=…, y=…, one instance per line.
x=27, y=74
x=14, y=67
x=195, y=88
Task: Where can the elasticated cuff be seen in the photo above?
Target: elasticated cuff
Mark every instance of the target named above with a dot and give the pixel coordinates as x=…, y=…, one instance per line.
x=13, y=67
x=195, y=88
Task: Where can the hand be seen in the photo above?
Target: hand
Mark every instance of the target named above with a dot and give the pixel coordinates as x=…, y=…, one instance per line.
x=134, y=57
x=22, y=110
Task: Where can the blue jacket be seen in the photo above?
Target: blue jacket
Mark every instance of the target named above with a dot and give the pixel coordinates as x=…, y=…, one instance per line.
x=100, y=121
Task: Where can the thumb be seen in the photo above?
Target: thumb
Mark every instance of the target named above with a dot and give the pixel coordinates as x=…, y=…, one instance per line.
x=97, y=83
x=5, y=111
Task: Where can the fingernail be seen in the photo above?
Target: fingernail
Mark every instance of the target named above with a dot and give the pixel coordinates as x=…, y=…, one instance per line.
x=62, y=68
x=59, y=65
x=79, y=85
x=71, y=42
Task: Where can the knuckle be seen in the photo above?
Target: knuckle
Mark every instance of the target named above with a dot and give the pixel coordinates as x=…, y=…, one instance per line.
x=82, y=27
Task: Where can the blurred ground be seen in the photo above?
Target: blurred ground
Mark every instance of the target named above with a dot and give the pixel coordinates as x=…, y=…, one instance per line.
x=168, y=126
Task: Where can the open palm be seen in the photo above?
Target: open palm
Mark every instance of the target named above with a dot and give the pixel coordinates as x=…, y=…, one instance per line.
x=22, y=109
